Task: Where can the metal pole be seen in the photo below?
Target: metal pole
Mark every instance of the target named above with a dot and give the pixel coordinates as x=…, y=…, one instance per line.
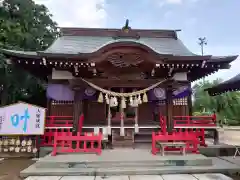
x=202, y=42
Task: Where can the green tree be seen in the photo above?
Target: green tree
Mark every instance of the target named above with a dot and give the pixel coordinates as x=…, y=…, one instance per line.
x=24, y=25
x=225, y=105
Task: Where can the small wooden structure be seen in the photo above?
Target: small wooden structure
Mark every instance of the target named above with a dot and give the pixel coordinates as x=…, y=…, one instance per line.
x=164, y=145
x=122, y=80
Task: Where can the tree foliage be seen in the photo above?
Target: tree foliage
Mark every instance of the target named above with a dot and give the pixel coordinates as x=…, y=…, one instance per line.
x=226, y=105
x=27, y=26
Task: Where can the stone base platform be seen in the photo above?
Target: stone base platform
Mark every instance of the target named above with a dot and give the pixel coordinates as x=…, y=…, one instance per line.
x=206, y=176
x=125, y=162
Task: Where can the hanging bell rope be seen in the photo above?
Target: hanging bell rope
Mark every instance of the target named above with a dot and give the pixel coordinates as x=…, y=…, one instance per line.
x=116, y=94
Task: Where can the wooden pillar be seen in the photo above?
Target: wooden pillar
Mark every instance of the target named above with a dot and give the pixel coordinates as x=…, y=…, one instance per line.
x=169, y=107
x=77, y=110
x=216, y=136
x=109, y=119
x=49, y=106
x=136, y=128
x=122, y=132
x=189, y=102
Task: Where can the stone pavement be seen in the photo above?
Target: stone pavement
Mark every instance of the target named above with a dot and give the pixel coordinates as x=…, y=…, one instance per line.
x=206, y=176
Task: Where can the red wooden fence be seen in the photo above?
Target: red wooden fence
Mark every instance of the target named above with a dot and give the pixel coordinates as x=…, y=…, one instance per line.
x=192, y=137
x=59, y=124
x=199, y=132
x=199, y=121
x=163, y=125
x=84, y=143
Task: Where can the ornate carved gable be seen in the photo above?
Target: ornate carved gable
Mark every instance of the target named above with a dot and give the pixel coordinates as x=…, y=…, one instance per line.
x=125, y=59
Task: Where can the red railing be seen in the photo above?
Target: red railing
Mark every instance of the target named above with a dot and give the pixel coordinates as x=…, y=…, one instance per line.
x=59, y=124
x=197, y=136
x=200, y=121
x=59, y=121
x=163, y=125
x=65, y=140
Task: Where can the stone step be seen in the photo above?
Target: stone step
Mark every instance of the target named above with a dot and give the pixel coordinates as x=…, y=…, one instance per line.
x=33, y=171
x=205, y=176
x=144, y=133
x=109, y=164
x=121, y=164
x=142, y=140
x=122, y=144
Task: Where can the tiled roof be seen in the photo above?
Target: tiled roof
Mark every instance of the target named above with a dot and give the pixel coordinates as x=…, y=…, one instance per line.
x=90, y=44
x=233, y=84
x=77, y=45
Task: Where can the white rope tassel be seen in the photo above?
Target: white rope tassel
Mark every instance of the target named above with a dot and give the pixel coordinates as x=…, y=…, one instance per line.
x=139, y=99
x=123, y=103
x=131, y=101
x=107, y=98
x=113, y=102
x=135, y=102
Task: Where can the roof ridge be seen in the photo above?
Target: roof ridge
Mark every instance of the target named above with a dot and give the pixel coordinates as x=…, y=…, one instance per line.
x=115, y=29
x=154, y=33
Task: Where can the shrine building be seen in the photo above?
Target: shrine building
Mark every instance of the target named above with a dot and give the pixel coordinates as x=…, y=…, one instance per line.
x=232, y=84
x=119, y=79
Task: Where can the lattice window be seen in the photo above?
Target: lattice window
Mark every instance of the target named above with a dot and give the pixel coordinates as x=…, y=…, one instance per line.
x=61, y=102
x=176, y=102
x=161, y=102
x=61, y=108
x=180, y=101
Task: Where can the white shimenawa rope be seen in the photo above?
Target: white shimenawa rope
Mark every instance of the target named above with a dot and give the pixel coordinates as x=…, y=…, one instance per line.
x=116, y=94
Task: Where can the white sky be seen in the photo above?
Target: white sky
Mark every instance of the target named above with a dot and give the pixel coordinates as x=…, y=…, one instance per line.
x=111, y=13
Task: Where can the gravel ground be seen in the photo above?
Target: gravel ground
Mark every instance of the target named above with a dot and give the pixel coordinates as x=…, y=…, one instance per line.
x=10, y=168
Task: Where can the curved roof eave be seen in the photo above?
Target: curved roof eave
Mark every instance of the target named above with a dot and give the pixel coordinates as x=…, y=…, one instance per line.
x=121, y=43
x=87, y=44
x=105, y=47
x=233, y=84
x=115, y=44
x=222, y=58
x=20, y=54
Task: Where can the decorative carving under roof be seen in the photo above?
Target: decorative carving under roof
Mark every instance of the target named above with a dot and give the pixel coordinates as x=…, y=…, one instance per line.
x=126, y=32
x=125, y=59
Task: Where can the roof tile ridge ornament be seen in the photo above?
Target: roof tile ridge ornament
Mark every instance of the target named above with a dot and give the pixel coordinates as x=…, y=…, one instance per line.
x=126, y=32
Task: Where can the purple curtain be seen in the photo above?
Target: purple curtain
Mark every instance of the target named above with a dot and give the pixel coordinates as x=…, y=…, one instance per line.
x=159, y=93
x=61, y=92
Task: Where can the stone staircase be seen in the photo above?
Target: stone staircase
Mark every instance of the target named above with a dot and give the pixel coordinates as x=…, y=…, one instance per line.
x=122, y=141
x=117, y=162
x=144, y=135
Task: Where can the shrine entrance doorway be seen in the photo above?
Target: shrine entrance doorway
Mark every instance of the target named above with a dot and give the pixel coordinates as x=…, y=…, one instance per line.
x=122, y=121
